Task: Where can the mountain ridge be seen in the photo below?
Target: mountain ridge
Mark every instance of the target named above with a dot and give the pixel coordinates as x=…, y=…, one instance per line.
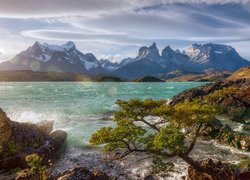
x=149, y=61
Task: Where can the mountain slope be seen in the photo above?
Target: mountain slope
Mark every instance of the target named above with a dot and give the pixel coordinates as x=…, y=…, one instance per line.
x=215, y=56
x=149, y=62
x=241, y=74
x=45, y=57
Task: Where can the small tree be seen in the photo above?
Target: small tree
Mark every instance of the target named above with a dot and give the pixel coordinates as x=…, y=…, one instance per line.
x=155, y=128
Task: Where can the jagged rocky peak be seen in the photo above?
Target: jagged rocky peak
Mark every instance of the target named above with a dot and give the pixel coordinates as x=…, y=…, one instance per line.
x=150, y=52
x=91, y=57
x=49, y=47
x=209, y=48
x=167, y=51
x=69, y=45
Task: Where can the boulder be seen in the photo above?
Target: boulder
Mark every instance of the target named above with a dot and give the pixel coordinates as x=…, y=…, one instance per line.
x=26, y=135
x=45, y=127
x=5, y=131
x=18, y=140
x=80, y=173
x=58, y=138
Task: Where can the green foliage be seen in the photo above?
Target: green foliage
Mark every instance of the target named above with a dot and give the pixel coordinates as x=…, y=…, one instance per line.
x=170, y=138
x=154, y=127
x=34, y=161
x=11, y=149
x=222, y=93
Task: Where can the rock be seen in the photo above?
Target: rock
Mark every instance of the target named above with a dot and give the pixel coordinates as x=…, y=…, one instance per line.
x=211, y=129
x=246, y=127
x=236, y=139
x=242, y=99
x=45, y=127
x=225, y=135
x=58, y=138
x=80, y=173
x=26, y=135
x=225, y=172
x=27, y=175
x=25, y=139
x=5, y=130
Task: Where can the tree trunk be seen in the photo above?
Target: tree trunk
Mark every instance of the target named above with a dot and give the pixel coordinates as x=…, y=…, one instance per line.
x=197, y=166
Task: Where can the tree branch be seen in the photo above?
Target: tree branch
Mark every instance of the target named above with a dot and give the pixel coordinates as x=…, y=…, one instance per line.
x=194, y=139
x=151, y=125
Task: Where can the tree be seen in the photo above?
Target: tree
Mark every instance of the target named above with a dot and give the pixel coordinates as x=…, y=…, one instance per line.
x=155, y=128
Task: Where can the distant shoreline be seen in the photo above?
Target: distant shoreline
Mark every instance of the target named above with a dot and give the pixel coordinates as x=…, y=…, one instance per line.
x=37, y=76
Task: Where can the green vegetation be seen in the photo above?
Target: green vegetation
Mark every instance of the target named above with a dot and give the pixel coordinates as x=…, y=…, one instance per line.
x=34, y=161
x=155, y=128
x=12, y=149
x=222, y=93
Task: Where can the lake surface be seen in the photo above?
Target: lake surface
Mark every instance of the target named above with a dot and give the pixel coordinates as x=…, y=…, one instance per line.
x=78, y=108
x=82, y=108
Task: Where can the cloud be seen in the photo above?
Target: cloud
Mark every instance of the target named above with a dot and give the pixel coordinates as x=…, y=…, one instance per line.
x=111, y=27
x=48, y=8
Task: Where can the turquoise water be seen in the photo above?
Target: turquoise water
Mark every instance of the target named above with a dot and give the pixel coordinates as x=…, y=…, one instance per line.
x=82, y=108
x=78, y=108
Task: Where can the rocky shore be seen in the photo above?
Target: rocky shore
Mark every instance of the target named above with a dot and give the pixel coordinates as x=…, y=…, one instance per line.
x=234, y=98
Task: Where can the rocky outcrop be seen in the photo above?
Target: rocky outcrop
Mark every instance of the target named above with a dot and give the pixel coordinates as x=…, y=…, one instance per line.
x=80, y=173
x=225, y=135
x=232, y=96
x=225, y=171
x=5, y=130
x=202, y=91
x=25, y=139
x=235, y=139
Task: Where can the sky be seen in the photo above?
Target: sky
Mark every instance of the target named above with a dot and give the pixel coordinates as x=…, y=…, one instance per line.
x=116, y=29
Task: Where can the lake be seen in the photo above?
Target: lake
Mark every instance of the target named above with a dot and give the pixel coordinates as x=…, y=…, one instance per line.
x=80, y=108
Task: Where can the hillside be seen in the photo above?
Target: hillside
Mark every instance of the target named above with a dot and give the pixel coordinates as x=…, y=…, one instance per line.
x=20, y=76
x=207, y=75
x=240, y=74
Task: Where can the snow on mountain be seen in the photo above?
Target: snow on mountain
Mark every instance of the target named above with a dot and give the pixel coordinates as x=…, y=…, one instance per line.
x=108, y=65
x=67, y=58
x=47, y=57
x=215, y=56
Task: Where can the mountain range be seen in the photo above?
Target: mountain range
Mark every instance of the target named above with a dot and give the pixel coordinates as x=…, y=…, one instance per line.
x=149, y=61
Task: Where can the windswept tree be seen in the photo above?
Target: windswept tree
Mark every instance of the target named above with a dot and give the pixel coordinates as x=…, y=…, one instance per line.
x=156, y=129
